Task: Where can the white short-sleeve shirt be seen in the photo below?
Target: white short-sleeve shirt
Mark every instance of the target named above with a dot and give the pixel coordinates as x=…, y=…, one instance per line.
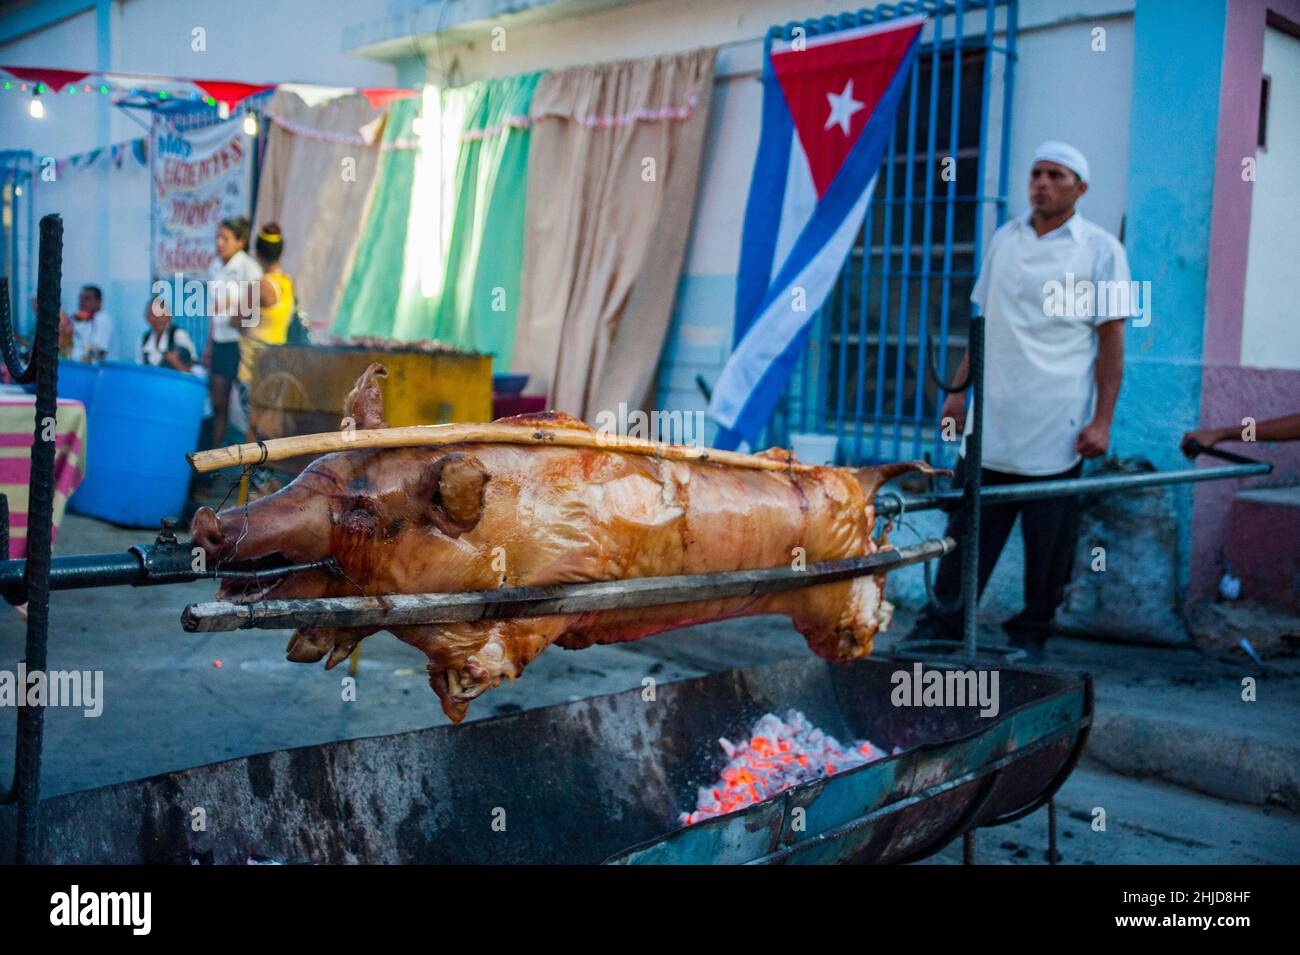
x=94, y=336
x=230, y=284
x=150, y=350
x=1043, y=299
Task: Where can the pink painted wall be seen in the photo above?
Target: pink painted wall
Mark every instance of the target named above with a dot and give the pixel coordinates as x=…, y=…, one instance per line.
x=1230, y=392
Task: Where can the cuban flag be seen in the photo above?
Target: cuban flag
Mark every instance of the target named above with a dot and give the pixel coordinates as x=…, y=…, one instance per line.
x=828, y=109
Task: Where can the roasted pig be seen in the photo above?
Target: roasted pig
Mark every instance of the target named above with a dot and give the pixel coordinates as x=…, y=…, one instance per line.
x=480, y=516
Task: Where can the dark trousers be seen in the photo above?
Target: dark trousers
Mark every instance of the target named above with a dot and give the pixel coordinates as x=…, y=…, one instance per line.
x=1050, y=529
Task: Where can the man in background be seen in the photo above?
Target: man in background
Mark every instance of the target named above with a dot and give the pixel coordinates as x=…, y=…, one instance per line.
x=164, y=345
x=89, y=333
x=1051, y=380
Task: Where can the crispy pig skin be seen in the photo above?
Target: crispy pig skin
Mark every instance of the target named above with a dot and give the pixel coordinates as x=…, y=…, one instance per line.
x=481, y=516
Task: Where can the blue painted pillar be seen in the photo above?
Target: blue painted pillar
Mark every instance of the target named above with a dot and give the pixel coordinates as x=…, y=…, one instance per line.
x=1177, y=69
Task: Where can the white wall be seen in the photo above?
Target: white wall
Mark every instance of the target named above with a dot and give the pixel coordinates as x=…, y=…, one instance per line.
x=1270, y=332
x=1065, y=90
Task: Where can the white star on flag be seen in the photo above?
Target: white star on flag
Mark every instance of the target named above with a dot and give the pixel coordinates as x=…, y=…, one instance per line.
x=843, y=106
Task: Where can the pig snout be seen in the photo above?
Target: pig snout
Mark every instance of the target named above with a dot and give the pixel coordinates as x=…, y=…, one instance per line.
x=206, y=531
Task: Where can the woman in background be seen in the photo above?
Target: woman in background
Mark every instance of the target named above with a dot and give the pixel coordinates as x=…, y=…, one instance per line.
x=276, y=299
x=233, y=293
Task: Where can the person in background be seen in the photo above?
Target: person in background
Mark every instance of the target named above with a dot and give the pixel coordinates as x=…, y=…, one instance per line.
x=233, y=304
x=88, y=334
x=1052, y=378
x=276, y=298
x=164, y=345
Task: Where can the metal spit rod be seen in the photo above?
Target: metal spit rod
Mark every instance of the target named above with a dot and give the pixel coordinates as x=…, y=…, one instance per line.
x=890, y=504
x=412, y=609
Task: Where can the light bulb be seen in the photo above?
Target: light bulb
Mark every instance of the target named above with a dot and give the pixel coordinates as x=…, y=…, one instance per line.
x=223, y=110
x=37, y=108
x=250, y=124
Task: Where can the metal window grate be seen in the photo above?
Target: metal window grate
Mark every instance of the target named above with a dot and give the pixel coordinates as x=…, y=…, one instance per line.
x=905, y=286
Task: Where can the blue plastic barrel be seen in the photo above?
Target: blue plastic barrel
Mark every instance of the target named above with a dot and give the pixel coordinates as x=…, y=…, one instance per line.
x=77, y=381
x=145, y=421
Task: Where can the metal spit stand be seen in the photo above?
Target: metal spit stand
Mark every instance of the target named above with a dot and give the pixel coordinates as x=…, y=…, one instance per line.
x=972, y=497
x=167, y=560
x=43, y=369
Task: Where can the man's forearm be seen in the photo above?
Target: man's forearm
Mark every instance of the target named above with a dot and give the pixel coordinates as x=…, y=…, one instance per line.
x=1110, y=369
x=1286, y=428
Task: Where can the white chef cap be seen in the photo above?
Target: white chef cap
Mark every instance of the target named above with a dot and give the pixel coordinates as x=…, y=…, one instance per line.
x=1055, y=151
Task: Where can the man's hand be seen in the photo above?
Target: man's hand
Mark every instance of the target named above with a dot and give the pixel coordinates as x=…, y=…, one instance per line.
x=954, y=406
x=1206, y=438
x=1094, y=439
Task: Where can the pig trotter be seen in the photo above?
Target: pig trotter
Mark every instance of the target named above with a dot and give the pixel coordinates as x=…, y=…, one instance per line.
x=310, y=644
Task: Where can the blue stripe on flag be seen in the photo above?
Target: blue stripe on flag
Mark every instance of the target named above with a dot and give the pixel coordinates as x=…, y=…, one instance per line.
x=763, y=208
x=854, y=177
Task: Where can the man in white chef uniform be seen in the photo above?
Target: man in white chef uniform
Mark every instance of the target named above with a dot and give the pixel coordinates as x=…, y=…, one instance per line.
x=1052, y=373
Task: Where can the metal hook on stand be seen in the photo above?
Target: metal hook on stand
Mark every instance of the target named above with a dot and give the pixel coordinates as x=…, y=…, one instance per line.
x=43, y=368
x=934, y=373
x=973, y=460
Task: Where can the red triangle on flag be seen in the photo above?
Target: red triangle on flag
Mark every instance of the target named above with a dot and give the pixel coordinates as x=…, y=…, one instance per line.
x=54, y=79
x=232, y=94
x=832, y=87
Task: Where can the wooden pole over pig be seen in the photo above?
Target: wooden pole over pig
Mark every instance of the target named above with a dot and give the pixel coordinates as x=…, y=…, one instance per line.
x=418, y=436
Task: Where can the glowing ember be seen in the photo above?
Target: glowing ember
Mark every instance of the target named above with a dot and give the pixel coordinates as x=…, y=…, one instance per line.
x=778, y=754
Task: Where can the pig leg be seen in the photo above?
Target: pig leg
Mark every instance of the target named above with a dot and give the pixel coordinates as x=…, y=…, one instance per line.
x=468, y=659
x=309, y=644
x=840, y=620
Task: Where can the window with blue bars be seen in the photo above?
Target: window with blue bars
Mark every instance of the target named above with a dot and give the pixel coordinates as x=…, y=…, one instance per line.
x=904, y=290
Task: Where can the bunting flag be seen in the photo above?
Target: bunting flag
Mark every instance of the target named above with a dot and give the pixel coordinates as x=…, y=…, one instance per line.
x=54, y=79
x=231, y=94
x=829, y=105
x=137, y=148
x=214, y=93
x=379, y=98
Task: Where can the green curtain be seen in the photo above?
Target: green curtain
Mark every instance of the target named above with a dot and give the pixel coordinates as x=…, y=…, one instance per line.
x=480, y=287
x=442, y=250
x=369, y=302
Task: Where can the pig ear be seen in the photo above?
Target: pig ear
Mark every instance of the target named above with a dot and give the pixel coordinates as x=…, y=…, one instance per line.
x=364, y=406
x=456, y=492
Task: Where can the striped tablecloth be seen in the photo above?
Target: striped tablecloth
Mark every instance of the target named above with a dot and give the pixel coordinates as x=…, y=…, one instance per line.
x=17, y=420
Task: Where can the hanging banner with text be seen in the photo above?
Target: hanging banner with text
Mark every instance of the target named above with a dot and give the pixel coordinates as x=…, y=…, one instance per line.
x=199, y=178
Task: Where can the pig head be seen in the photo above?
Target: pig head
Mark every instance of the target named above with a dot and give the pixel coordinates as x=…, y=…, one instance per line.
x=392, y=519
